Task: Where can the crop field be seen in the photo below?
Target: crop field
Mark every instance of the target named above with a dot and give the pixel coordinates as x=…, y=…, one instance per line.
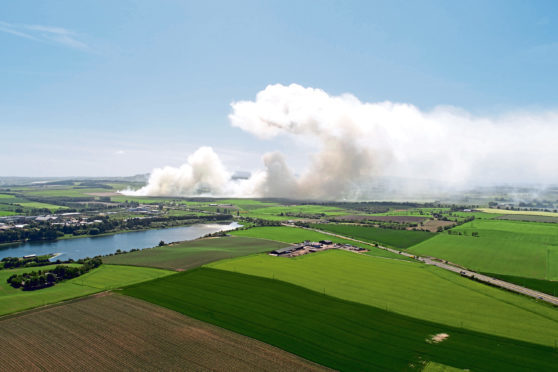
x=400, y=239
x=330, y=331
x=398, y=219
x=100, y=279
x=190, y=254
x=296, y=235
x=115, y=332
x=528, y=218
x=412, y=289
x=528, y=213
x=526, y=249
x=547, y=286
x=38, y=205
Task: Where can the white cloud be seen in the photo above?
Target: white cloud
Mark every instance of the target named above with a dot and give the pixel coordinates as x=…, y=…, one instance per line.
x=46, y=34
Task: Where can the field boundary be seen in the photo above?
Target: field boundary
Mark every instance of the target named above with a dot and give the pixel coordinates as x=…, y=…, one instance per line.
x=460, y=270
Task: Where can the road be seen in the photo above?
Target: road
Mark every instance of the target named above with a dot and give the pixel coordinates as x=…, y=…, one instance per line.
x=457, y=269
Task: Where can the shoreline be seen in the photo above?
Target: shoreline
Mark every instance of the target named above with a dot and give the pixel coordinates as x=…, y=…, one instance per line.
x=67, y=237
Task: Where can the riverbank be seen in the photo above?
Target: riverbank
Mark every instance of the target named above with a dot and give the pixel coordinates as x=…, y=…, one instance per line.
x=111, y=243
x=71, y=236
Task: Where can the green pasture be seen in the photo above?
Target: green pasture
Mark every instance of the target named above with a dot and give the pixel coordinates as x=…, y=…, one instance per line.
x=339, y=334
x=190, y=254
x=525, y=249
x=413, y=289
x=399, y=239
x=38, y=205
x=547, y=286
x=100, y=279
x=247, y=204
x=528, y=218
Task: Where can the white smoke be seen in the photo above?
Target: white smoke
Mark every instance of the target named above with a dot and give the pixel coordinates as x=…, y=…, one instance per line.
x=357, y=143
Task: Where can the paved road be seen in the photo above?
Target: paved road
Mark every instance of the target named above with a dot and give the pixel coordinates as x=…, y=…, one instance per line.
x=457, y=269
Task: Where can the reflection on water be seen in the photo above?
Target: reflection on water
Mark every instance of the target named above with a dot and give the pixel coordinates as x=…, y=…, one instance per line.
x=102, y=245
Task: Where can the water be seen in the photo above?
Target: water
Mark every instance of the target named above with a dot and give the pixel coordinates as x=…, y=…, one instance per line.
x=102, y=245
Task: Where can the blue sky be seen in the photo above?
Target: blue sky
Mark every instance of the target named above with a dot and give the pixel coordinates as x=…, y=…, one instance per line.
x=119, y=87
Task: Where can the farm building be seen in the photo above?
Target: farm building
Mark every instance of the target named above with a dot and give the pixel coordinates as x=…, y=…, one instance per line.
x=288, y=249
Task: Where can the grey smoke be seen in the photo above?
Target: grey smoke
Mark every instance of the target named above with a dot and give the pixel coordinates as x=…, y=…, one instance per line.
x=359, y=143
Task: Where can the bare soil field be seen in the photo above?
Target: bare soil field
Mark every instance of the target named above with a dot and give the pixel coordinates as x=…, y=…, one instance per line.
x=432, y=225
x=114, y=332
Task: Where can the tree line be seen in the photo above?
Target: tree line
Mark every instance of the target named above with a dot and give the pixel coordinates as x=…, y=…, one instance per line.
x=45, y=278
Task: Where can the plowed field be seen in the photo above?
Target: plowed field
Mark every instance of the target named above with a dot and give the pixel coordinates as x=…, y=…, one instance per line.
x=116, y=332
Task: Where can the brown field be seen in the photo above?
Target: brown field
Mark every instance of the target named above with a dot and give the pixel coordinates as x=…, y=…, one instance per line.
x=114, y=332
x=397, y=219
x=432, y=225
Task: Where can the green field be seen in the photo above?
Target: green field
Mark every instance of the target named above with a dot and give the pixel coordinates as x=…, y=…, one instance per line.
x=330, y=331
x=526, y=249
x=528, y=218
x=38, y=205
x=274, y=212
x=100, y=279
x=190, y=254
x=547, y=286
x=399, y=239
x=296, y=235
x=409, y=288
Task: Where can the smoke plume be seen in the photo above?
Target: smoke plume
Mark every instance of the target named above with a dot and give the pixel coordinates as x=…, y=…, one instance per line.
x=358, y=144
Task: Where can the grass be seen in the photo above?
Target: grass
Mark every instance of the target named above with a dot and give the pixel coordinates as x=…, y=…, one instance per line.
x=528, y=218
x=546, y=286
x=412, y=289
x=399, y=239
x=296, y=235
x=529, y=213
x=100, y=279
x=526, y=249
x=112, y=332
x=190, y=254
x=437, y=367
x=330, y=331
x=39, y=205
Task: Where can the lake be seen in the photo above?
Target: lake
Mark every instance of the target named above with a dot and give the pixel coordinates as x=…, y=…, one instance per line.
x=102, y=245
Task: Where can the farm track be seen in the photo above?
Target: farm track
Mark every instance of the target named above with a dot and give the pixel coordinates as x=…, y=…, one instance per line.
x=457, y=269
x=114, y=332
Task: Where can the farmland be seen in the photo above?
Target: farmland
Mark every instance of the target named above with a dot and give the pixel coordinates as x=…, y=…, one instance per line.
x=100, y=279
x=330, y=331
x=190, y=254
x=121, y=333
x=400, y=239
x=296, y=235
x=528, y=218
x=525, y=249
x=38, y=205
x=409, y=288
x=528, y=213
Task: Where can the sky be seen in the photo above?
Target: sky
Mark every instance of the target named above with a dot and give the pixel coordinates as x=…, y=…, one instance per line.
x=116, y=88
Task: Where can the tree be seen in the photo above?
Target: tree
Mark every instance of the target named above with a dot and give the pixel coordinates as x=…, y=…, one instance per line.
x=161, y=243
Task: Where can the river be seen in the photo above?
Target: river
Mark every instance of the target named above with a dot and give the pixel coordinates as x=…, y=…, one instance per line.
x=102, y=245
